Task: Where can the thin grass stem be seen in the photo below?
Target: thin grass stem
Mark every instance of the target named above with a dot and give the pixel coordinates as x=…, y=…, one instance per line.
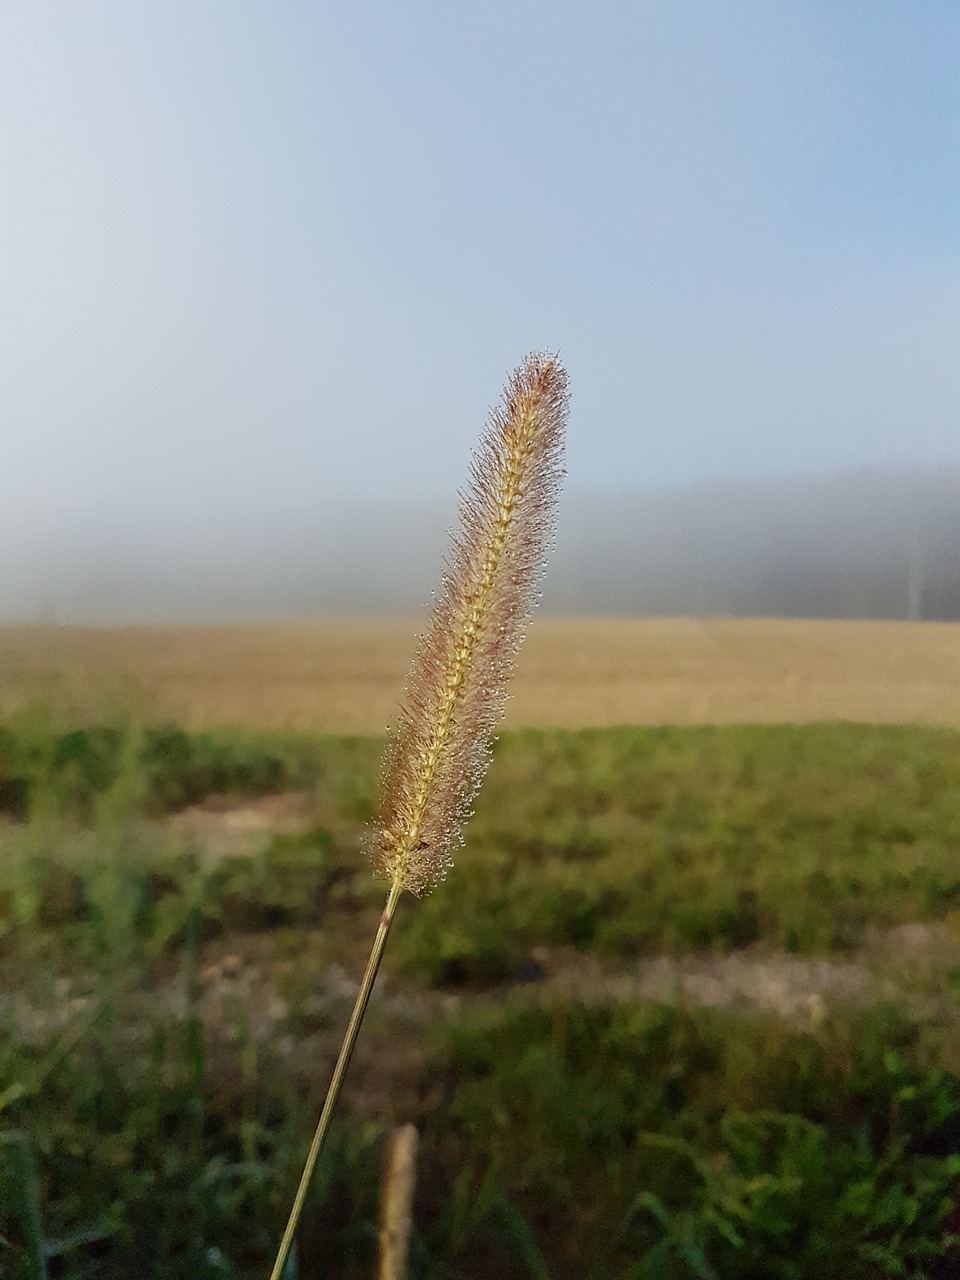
x=339, y=1071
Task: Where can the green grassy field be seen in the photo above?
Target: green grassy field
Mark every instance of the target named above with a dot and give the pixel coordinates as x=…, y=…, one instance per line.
x=685, y=1007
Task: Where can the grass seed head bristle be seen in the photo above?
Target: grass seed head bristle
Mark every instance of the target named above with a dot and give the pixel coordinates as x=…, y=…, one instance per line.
x=456, y=689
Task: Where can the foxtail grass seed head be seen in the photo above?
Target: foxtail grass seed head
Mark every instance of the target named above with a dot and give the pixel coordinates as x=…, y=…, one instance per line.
x=456, y=689
x=457, y=685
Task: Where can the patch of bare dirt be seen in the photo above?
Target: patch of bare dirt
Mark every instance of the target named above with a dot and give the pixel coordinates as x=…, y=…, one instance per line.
x=224, y=829
x=793, y=988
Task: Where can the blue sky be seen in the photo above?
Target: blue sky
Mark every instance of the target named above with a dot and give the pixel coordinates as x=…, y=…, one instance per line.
x=256, y=257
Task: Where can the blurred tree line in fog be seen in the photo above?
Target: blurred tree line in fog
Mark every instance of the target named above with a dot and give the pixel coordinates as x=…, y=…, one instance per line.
x=859, y=544
x=869, y=544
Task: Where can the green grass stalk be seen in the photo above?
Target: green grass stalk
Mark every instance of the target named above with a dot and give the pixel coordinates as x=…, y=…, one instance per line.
x=336, y=1080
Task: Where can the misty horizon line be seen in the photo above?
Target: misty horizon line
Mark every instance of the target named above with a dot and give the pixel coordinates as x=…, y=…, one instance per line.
x=869, y=542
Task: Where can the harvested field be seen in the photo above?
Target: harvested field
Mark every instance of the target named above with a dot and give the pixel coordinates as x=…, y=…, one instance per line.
x=346, y=676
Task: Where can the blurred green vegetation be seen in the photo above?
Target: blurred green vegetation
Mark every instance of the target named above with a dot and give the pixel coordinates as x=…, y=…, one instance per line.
x=144, y=1131
x=672, y=1142
x=643, y=840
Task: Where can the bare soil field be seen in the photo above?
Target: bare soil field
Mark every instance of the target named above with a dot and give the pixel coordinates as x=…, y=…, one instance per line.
x=346, y=676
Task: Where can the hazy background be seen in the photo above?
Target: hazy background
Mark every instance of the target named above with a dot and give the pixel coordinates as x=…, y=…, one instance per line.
x=263, y=268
